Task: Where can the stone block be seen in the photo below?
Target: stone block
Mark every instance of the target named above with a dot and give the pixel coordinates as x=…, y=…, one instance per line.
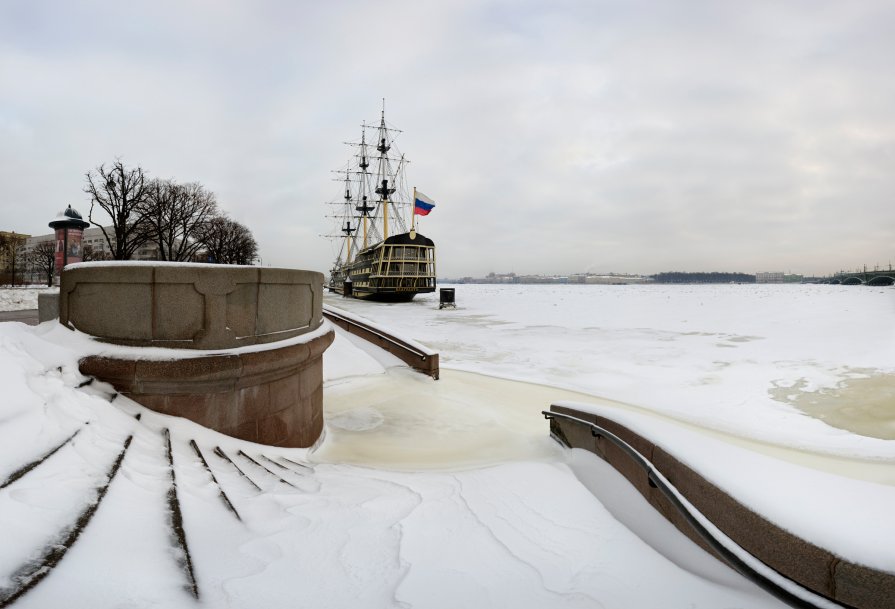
x=252, y=402
x=859, y=586
x=274, y=429
x=119, y=372
x=284, y=394
x=297, y=313
x=199, y=369
x=210, y=281
x=107, y=273
x=108, y=309
x=307, y=378
x=178, y=312
x=242, y=310
x=47, y=306
x=274, y=361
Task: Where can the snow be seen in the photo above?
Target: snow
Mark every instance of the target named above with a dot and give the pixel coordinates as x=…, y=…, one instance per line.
x=18, y=299
x=450, y=493
x=86, y=344
x=156, y=263
x=735, y=358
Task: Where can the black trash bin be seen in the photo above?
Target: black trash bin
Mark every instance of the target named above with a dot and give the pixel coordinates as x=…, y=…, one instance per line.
x=446, y=298
x=347, y=288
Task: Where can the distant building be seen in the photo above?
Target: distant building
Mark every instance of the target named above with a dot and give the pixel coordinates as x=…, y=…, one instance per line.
x=96, y=240
x=777, y=277
x=608, y=279
x=773, y=277
x=93, y=238
x=5, y=255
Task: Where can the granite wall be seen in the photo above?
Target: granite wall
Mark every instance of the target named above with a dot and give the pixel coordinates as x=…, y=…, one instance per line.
x=194, y=306
x=845, y=582
x=271, y=393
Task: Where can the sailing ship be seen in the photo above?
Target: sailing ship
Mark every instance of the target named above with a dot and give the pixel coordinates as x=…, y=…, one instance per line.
x=378, y=257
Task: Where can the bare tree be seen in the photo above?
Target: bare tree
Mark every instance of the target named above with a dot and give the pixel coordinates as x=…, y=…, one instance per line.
x=91, y=254
x=226, y=241
x=4, y=258
x=43, y=259
x=120, y=192
x=11, y=250
x=174, y=214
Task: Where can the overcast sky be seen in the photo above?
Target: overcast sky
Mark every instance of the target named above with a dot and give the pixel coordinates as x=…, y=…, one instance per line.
x=555, y=136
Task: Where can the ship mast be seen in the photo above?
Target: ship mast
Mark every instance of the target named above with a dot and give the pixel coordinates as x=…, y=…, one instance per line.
x=387, y=178
x=383, y=188
x=348, y=229
x=363, y=163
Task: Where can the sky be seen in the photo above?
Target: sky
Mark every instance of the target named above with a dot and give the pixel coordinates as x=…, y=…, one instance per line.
x=555, y=136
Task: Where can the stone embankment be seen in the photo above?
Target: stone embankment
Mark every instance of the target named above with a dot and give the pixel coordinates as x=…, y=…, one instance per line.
x=243, y=345
x=812, y=567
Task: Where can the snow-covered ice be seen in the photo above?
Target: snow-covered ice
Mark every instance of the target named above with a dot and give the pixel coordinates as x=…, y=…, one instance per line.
x=738, y=358
x=445, y=493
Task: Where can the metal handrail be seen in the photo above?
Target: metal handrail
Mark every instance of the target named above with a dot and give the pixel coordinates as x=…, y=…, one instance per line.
x=657, y=480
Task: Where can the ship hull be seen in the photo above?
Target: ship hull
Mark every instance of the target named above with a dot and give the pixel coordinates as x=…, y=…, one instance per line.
x=393, y=270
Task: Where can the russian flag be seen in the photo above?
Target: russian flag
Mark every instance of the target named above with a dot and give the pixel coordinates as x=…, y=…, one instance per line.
x=422, y=204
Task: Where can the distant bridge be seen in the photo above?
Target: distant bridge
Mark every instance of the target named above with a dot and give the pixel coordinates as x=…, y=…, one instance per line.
x=865, y=277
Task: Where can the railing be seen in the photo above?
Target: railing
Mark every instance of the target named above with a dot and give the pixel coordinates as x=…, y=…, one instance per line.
x=417, y=357
x=658, y=481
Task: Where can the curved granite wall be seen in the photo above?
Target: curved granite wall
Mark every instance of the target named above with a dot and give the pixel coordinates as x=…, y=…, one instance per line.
x=189, y=306
x=847, y=583
x=271, y=394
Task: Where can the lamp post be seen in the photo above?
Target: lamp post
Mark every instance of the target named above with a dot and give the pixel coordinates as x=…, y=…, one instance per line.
x=69, y=227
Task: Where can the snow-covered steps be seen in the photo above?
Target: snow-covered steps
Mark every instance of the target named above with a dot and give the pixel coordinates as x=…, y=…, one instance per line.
x=45, y=552
x=73, y=495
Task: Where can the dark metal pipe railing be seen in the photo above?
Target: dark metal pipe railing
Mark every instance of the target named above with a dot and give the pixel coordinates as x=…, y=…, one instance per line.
x=658, y=481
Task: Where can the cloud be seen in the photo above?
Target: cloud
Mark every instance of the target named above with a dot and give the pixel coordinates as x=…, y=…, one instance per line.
x=555, y=136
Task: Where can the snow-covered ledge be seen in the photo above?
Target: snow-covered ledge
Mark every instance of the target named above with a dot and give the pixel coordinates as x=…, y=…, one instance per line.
x=236, y=349
x=766, y=507
x=192, y=306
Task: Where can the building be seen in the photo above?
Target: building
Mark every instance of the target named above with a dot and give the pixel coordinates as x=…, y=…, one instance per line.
x=8, y=237
x=97, y=241
x=9, y=254
x=94, y=239
x=769, y=277
x=777, y=277
x=609, y=279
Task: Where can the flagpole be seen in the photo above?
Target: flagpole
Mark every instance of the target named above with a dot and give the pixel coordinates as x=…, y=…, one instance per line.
x=413, y=211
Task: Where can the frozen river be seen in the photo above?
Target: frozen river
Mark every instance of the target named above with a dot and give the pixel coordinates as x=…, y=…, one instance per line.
x=752, y=360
